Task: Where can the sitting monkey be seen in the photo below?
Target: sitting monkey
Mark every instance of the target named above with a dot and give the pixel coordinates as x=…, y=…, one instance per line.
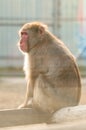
x=53, y=79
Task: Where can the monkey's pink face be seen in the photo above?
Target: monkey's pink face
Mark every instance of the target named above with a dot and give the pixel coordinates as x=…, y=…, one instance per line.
x=23, y=43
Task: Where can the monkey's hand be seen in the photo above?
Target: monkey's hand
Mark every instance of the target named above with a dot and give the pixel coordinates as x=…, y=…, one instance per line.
x=24, y=105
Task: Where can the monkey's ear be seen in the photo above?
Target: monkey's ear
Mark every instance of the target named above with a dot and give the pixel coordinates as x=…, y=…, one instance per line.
x=41, y=30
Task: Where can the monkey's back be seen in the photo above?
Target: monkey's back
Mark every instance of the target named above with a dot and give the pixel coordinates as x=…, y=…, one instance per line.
x=58, y=84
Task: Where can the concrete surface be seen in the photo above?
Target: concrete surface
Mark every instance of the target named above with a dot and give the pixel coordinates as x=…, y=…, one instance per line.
x=66, y=115
x=12, y=91
x=70, y=126
x=14, y=117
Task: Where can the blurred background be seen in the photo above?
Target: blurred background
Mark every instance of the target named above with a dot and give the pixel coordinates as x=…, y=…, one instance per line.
x=65, y=18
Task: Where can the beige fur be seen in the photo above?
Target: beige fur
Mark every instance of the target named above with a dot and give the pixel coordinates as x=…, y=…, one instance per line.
x=53, y=79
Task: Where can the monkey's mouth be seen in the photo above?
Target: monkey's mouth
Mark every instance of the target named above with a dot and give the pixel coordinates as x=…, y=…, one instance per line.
x=23, y=48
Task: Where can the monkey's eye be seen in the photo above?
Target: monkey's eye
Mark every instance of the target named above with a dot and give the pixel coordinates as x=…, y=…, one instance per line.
x=23, y=33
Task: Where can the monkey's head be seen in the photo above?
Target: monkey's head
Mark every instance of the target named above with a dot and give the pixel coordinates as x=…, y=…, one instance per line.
x=30, y=35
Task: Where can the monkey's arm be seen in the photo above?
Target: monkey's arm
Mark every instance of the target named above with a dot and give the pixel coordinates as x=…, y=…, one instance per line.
x=29, y=94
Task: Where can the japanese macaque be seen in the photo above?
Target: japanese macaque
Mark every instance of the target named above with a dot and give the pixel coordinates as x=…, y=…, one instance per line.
x=53, y=79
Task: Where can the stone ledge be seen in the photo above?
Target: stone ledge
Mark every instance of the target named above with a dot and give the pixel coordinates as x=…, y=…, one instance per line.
x=69, y=126
x=19, y=117
x=14, y=117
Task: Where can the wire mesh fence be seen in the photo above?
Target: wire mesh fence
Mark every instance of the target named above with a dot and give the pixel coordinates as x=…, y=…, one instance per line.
x=66, y=19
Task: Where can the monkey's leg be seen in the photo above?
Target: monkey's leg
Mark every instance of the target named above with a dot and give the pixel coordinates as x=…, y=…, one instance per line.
x=44, y=95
